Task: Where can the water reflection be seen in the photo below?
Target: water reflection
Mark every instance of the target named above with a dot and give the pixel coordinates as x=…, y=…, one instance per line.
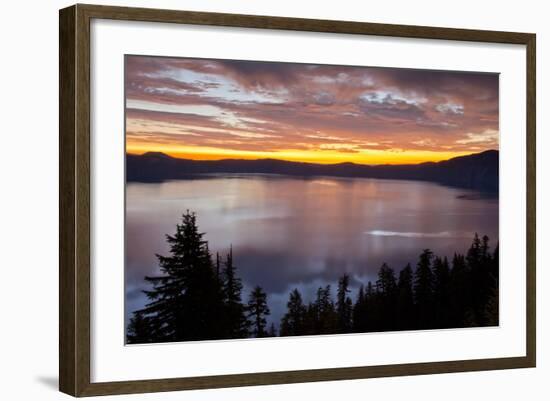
x=289, y=232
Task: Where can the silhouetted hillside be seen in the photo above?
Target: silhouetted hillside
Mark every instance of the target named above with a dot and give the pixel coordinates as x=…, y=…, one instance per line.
x=477, y=171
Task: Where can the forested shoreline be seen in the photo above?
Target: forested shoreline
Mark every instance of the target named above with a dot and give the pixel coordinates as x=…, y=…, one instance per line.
x=198, y=296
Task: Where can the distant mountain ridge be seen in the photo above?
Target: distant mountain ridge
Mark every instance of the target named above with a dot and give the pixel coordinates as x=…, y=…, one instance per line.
x=476, y=171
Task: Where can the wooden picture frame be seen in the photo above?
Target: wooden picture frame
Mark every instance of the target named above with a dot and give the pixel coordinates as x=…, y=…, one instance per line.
x=75, y=207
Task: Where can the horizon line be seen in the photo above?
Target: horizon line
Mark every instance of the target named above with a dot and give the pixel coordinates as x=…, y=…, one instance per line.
x=304, y=162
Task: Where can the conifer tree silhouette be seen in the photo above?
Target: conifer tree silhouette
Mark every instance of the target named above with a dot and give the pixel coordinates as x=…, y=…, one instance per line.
x=322, y=313
x=257, y=312
x=360, y=311
x=491, y=316
x=405, y=299
x=272, y=330
x=235, y=320
x=441, y=273
x=184, y=303
x=460, y=291
x=293, y=322
x=386, y=288
x=423, y=290
x=344, y=305
x=138, y=331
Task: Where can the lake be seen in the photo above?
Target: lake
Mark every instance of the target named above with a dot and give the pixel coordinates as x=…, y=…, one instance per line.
x=291, y=233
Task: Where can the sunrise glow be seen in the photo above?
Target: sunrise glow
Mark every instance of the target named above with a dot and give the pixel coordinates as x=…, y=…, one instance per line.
x=219, y=109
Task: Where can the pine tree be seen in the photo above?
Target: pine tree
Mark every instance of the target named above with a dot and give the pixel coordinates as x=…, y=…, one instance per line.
x=386, y=288
x=441, y=274
x=293, y=322
x=370, y=292
x=257, y=312
x=323, y=313
x=184, y=302
x=218, y=271
x=138, y=331
x=491, y=309
x=460, y=291
x=272, y=330
x=310, y=321
x=374, y=310
x=344, y=305
x=474, y=258
x=474, y=253
x=491, y=313
x=482, y=278
x=360, y=311
x=405, y=299
x=423, y=290
x=495, y=265
x=485, y=249
x=236, y=323
x=386, y=284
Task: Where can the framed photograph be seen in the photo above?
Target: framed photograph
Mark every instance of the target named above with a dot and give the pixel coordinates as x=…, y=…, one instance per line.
x=250, y=200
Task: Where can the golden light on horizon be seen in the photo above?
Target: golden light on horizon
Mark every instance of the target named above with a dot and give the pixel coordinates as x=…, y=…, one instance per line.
x=215, y=109
x=307, y=156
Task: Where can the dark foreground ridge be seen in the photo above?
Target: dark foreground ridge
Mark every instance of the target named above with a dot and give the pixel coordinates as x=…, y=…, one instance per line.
x=476, y=171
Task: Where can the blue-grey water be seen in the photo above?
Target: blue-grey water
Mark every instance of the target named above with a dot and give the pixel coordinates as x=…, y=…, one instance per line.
x=291, y=233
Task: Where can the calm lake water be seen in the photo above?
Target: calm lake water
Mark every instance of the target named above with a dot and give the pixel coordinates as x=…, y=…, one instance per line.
x=291, y=233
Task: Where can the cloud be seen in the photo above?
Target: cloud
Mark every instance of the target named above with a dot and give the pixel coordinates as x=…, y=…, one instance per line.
x=489, y=136
x=272, y=106
x=450, y=108
x=424, y=142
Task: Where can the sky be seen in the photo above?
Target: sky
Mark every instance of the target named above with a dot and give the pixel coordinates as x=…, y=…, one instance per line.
x=209, y=109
